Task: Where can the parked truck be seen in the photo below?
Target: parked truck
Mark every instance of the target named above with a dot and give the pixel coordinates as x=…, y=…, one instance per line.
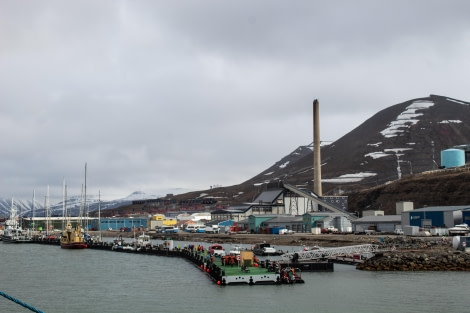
x=329, y=230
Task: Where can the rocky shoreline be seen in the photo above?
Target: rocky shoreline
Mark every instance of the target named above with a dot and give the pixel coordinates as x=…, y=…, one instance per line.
x=449, y=260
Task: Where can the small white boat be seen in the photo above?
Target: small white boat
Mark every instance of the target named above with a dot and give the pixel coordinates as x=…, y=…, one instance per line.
x=143, y=241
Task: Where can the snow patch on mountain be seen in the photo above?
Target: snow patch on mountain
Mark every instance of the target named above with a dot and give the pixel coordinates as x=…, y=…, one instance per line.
x=376, y=155
x=457, y=101
x=406, y=119
x=349, y=178
x=450, y=121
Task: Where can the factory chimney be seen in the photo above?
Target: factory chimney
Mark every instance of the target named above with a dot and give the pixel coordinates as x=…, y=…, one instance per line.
x=316, y=150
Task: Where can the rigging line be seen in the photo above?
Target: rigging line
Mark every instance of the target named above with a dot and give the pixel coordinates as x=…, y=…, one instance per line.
x=20, y=302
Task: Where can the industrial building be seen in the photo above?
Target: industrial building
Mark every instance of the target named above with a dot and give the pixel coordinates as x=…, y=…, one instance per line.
x=437, y=216
x=377, y=223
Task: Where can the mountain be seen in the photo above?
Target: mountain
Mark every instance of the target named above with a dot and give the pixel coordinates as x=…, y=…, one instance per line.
x=73, y=205
x=395, y=144
x=403, y=139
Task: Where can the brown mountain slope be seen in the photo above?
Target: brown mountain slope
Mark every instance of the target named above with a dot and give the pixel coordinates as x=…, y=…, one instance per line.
x=403, y=139
x=441, y=187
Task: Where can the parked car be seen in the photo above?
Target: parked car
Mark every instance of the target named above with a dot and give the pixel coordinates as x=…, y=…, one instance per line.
x=399, y=232
x=214, y=229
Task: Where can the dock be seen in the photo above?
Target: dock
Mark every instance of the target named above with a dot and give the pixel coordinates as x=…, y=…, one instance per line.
x=219, y=270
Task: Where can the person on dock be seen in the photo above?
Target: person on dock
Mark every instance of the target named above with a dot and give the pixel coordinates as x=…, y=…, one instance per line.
x=295, y=258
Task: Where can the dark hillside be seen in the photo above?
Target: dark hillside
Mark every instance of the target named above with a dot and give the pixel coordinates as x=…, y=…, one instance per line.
x=441, y=187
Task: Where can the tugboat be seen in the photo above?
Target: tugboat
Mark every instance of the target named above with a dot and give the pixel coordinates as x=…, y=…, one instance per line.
x=290, y=275
x=73, y=238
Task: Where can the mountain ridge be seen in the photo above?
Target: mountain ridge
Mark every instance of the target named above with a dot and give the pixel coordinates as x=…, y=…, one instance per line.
x=399, y=141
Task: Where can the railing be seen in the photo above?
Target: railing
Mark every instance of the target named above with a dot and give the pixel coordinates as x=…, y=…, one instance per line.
x=321, y=253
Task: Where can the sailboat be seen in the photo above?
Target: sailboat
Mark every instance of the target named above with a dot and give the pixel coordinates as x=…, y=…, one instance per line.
x=72, y=237
x=13, y=232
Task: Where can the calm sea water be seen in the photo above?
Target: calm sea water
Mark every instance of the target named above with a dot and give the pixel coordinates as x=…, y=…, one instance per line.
x=56, y=280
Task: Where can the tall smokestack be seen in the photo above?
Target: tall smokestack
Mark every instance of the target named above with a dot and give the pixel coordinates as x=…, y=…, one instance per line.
x=316, y=150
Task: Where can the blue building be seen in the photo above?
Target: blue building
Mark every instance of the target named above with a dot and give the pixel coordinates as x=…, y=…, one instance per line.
x=439, y=216
x=122, y=223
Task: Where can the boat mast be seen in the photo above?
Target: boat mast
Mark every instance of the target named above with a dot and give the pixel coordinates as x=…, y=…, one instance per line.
x=33, y=210
x=99, y=212
x=48, y=211
x=80, y=213
x=63, y=204
x=85, y=204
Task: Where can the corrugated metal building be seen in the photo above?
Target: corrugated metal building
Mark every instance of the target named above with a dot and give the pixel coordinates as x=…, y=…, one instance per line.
x=339, y=221
x=117, y=223
x=272, y=225
x=466, y=217
x=380, y=223
x=437, y=216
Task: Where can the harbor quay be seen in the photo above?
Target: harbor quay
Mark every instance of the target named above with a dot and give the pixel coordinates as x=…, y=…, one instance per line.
x=404, y=254
x=223, y=270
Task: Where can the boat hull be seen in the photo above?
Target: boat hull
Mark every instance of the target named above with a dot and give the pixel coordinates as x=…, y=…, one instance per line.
x=74, y=245
x=7, y=239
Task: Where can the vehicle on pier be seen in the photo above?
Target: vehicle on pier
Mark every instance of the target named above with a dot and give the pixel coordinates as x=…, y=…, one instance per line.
x=235, y=250
x=264, y=249
x=216, y=250
x=460, y=229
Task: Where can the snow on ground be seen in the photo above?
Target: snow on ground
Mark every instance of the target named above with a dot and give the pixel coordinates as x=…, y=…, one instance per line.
x=396, y=150
x=284, y=164
x=349, y=178
x=456, y=101
x=376, y=155
x=406, y=119
x=450, y=121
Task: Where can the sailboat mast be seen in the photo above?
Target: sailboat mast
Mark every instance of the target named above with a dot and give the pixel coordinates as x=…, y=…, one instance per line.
x=33, y=210
x=85, y=204
x=48, y=211
x=99, y=212
x=63, y=204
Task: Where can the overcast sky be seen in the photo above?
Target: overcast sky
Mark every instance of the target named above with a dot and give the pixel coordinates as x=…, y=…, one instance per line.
x=161, y=95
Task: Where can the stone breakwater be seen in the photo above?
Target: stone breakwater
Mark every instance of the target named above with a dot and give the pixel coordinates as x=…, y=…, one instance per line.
x=449, y=260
